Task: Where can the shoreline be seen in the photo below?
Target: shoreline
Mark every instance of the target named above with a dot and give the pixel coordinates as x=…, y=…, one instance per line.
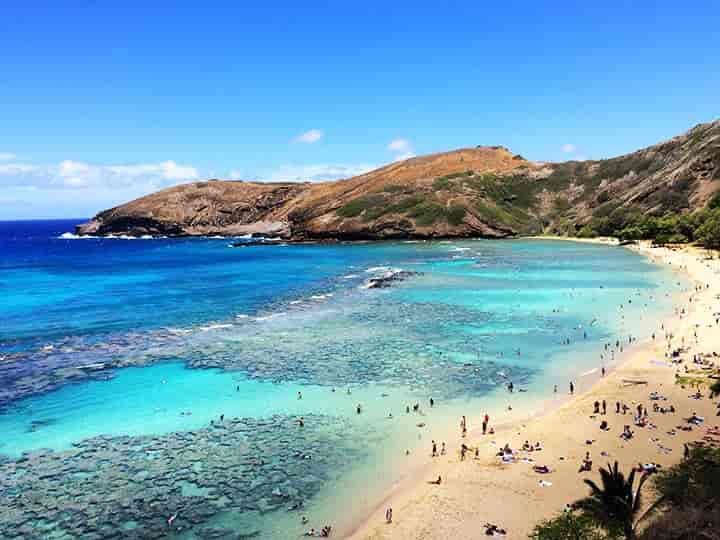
x=485, y=490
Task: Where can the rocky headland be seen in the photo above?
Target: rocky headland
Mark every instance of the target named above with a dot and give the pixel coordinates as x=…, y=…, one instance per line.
x=485, y=191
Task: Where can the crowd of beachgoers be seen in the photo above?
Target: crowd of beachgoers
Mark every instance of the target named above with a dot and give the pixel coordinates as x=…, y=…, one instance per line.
x=646, y=411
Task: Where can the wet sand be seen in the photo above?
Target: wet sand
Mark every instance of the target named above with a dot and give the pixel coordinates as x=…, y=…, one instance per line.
x=477, y=491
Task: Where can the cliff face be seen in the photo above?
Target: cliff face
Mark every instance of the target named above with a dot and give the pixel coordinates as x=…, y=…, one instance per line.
x=483, y=191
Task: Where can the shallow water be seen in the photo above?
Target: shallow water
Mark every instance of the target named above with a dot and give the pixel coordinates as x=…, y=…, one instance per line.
x=123, y=345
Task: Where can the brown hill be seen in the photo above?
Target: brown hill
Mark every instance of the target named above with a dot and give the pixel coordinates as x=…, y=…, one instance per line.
x=483, y=191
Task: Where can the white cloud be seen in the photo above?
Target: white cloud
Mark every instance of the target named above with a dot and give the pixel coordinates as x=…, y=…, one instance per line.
x=7, y=156
x=309, y=137
x=314, y=173
x=399, y=145
x=235, y=174
x=403, y=149
x=568, y=148
x=79, y=174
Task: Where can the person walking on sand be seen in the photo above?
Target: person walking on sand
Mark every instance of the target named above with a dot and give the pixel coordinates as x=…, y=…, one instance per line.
x=388, y=515
x=434, y=449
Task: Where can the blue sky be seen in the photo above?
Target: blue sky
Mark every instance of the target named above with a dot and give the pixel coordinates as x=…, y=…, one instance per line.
x=101, y=102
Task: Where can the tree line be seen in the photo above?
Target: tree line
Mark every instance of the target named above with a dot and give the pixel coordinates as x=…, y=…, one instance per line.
x=628, y=224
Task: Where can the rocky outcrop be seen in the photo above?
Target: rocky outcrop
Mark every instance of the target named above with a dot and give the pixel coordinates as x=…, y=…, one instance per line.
x=472, y=192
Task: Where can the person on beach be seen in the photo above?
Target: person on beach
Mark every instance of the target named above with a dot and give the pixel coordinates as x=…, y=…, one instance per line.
x=586, y=465
x=604, y=407
x=432, y=402
x=443, y=451
x=572, y=388
x=463, y=426
x=388, y=515
x=434, y=449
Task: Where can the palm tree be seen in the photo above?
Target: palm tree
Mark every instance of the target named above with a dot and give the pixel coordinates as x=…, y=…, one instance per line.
x=615, y=505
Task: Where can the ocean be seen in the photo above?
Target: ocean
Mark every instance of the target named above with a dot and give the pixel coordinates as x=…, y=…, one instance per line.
x=260, y=390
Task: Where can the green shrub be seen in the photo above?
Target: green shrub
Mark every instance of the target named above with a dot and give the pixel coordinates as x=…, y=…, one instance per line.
x=357, y=206
x=426, y=213
x=442, y=184
x=708, y=234
x=714, y=201
x=568, y=526
x=455, y=214
x=403, y=205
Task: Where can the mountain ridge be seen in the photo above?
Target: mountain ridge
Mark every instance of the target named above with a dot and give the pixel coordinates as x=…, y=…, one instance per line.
x=483, y=191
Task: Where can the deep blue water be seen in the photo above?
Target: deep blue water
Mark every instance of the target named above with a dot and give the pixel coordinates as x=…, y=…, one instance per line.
x=105, y=337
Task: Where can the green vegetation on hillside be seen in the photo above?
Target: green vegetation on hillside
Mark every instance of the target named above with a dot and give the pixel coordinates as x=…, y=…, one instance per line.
x=627, y=223
x=425, y=210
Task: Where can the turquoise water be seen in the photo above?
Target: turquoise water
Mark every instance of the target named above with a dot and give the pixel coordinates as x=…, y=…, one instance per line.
x=122, y=355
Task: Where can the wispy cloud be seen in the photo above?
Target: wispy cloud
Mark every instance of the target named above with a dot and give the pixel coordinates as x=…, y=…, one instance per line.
x=399, y=145
x=403, y=149
x=309, y=137
x=568, y=148
x=79, y=174
x=7, y=156
x=314, y=173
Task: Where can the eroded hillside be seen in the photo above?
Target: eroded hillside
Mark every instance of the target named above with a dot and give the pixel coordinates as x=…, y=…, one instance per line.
x=482, y=191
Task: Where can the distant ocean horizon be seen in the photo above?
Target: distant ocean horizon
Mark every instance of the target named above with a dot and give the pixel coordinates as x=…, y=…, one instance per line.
x=141, y=378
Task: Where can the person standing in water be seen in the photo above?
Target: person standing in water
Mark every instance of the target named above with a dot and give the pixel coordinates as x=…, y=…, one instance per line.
x=572, y=388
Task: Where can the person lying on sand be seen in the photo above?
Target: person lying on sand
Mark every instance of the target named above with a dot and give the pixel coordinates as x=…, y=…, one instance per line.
x=542, y=469
x=494, y=530
x=627, y=433
x=436, y=482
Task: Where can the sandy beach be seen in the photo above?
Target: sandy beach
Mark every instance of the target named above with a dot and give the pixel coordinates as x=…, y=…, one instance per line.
x=484, y=489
